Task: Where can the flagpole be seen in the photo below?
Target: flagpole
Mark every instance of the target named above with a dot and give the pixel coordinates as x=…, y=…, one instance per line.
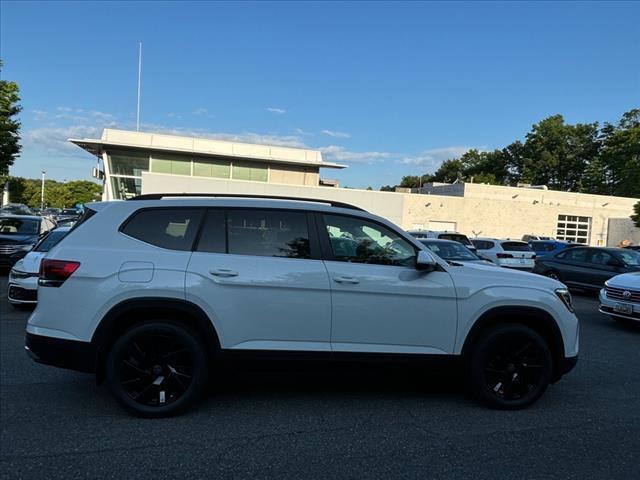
x=139, y=76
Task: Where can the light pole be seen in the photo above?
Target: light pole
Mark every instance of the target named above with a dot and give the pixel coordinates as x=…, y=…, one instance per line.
x=42, y=192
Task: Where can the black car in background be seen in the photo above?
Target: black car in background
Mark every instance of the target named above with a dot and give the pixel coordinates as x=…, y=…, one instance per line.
x=587, y=267
x=18, y=235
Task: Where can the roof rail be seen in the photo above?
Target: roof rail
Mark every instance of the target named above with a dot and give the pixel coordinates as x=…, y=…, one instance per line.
x=160, y=196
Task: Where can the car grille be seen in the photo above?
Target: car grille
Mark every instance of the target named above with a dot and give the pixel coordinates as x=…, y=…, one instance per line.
x=619, y=294
x=8, y=249
x=22, y=294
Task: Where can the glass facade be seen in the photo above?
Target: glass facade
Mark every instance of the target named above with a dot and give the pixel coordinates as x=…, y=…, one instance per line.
x=173, y=164
x=125, y=187
x=250, y=171
x=203, y=167
x=131, y=164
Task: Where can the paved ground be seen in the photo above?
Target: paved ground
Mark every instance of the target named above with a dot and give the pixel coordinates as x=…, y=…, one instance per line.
x=354, y=424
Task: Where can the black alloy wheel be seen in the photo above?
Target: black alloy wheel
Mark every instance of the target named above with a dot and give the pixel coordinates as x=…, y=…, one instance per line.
x=553, y=275
x=157, y=369
x=511, y=367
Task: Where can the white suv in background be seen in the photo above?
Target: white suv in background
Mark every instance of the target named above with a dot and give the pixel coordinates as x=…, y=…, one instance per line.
x=152, y=293
x=506, y=253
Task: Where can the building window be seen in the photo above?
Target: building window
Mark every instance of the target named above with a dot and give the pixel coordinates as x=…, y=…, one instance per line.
x=125, y=187
x=174, y=164
x=211, y=168
x=132, y=164
x=250, y=171
x=572, y=228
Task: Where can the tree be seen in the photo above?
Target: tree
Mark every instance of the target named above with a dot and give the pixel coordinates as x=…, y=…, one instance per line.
x=9, y=125
x=636, y=215
x=56, y=194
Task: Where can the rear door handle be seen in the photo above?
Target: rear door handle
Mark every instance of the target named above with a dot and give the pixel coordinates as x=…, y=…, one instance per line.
x=223, y=272
x=346, y=280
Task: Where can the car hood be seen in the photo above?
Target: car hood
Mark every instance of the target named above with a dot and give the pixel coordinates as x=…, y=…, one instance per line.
x=17, y=239
x=473, y=276
x=626, y=280
x=31, y=262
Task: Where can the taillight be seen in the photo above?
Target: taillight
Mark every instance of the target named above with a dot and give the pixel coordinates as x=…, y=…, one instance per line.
x=53, y=273
x=504, y=255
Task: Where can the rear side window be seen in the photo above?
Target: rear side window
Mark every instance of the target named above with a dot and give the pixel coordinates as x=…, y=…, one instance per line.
x=515, y=247
x=456, y=237
x=213, y=238
x=268, y=233
x=171, y=228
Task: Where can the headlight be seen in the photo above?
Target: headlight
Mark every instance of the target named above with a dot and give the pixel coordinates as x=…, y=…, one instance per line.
x=565, y=296
x=26, y=247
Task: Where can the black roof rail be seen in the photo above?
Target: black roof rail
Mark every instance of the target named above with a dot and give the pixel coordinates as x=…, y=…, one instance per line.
x=160, y=196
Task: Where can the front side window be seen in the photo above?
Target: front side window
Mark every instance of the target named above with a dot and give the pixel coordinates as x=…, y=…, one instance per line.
x=630, y=258
x=450, y=251
x=171, y=228
x=268, y=233
x=360, y=241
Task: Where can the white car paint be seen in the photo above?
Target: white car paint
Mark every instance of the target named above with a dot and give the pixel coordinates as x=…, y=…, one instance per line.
x=620, y=296
x=517, y=259
x=280, y=303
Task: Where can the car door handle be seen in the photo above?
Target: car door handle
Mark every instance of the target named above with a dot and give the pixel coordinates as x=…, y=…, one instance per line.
x=346, y=280
x=223, y=272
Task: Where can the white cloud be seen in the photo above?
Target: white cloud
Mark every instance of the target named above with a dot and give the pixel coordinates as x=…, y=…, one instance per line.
x=55, y=139
x=335, y=134
x=40, y=115
x=300, y=131
x=340, y=154
x=200, y=111
x=278, y=111
x=434, y=157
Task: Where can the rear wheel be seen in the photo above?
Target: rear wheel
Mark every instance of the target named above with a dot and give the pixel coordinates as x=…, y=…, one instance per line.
x=553, y=274
x=510, y=367
x=157, y=369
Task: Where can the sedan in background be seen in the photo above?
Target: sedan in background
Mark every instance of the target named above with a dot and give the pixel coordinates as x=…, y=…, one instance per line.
x=19, y=234
x=506, y=253
x=23, y=278
x=620, y=297
x=588, y=268
x=549, y=247
x=453, y=251
x=446, y=235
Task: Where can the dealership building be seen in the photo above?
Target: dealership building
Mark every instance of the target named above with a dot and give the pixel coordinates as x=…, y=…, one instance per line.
x=133, y=163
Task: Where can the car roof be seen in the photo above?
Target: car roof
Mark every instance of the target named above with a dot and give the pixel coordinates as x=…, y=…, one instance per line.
x=438, y=240
x=22, y=217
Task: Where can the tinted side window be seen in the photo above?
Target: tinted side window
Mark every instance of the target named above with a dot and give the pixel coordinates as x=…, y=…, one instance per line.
x=516, y=247
x=598, y=257
x=172, y=228
x=361, y=241
x=268, y=233
x=482, y=244
x=213, y=238
x=576, y=255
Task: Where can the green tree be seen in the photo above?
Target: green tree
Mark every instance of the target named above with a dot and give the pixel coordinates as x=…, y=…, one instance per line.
x=449, y=171
x=9, y=125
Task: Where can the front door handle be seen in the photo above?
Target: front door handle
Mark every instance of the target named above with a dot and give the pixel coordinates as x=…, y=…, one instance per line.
x=223, y=272
x=346, y=280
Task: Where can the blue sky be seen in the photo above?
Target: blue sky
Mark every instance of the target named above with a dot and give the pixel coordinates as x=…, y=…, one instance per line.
x=388, y=88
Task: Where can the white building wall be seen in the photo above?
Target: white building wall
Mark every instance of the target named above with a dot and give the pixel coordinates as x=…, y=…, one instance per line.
x=485, y=210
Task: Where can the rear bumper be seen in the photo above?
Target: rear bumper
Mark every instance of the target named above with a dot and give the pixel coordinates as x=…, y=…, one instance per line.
x=70, y=354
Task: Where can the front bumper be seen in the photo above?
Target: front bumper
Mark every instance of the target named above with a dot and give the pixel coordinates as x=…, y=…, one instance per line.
x=58, y=352
x=23, y=290
x=607, y=306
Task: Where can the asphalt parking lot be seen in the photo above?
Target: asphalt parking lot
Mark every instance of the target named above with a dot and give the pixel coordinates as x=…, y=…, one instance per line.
x=328, y=424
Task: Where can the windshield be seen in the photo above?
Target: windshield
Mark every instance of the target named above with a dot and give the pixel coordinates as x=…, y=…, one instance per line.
x=630, y=258
x=50, y=241
x=450, y=251
x=18, y=226
x=456, y=237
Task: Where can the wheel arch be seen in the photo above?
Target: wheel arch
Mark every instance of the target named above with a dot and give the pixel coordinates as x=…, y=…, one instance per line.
x=538, y=319
x=130, y=312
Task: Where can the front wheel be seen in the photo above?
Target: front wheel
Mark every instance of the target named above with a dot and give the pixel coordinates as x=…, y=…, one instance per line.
x=553, y=275
x=510, y=367
x=157, y=369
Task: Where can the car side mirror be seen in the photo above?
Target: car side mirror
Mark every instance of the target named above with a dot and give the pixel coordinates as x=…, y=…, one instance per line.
x=425, y=261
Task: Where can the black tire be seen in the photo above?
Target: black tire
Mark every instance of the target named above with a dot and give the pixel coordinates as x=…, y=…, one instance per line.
x=140, y=374
x=510, y=367
x=555, y=275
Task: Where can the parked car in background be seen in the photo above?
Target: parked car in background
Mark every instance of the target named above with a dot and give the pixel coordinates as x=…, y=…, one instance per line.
x=549, y=247
x=51, y=211
x=452, y=251
x=506, y=253
x=587, y=267
x=19, y=234
x=527, y=238
x=15, y=209
x=23, y=278
x=455, y=236
x=182, y=285
x=66, y=222
x=633, y=247
x=620, y=297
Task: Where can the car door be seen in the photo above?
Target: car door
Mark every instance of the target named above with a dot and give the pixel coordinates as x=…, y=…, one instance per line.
x=380, y=302
x=572, y=266
x=259, y=276
x=603, y=267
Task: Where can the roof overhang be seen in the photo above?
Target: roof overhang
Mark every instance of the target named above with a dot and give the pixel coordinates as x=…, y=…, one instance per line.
x=143, y=141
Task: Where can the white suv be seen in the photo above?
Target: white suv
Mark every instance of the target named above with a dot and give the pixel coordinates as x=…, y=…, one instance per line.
x=151, y=293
